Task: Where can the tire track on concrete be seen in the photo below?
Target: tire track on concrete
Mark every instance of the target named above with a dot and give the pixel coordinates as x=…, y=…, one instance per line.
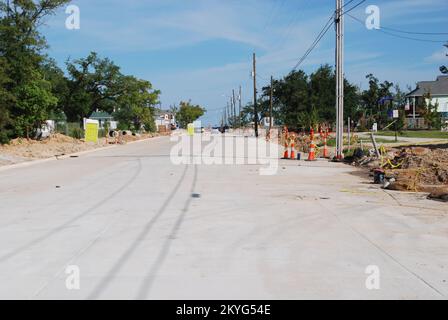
x=148, y=282
x=104, y=284
x=58, y=229
x=93, y=184
x=385, y=253
x=76, y=256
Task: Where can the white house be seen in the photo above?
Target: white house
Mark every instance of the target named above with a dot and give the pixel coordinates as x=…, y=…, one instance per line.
x=438, y=90
x=165, y=119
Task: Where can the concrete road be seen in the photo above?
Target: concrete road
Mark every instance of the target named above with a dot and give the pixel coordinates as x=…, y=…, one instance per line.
x=136, y=226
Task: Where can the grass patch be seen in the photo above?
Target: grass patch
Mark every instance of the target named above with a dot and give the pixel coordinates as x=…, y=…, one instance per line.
x=332, y=142
x=381, y=141
x=416, y=134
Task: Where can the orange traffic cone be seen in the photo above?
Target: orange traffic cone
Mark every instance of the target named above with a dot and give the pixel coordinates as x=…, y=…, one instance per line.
x=326, y=153
x=312, y=154
x=293, y=151
x=286, y=154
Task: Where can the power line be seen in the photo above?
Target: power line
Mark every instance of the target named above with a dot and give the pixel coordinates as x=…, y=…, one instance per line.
x=414, y=32
x=319, y=37
x=348, y=3
x=396, y=35
x=262, y=78
x=354, y=7
x=324, y=31
x=407, y=32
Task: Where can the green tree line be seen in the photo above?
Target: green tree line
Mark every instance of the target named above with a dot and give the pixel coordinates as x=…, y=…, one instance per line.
x=302, y=101
x=33, y=88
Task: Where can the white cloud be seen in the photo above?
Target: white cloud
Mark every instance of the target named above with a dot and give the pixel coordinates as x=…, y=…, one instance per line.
x=438, y=56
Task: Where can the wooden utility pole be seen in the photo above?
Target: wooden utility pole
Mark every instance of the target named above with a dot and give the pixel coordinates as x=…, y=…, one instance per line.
x=255, y=96
x=235, y=125
x=339, y=20
x=271, y=106
x=227, y=114
x=240, y=98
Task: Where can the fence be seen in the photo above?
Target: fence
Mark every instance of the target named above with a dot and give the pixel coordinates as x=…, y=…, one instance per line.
x=416, y=124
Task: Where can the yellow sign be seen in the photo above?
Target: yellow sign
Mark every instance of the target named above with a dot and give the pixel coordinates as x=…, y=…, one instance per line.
x=92, y=132
x=191, y=129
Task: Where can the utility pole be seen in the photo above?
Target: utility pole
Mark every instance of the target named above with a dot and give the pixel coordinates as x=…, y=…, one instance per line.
x=271, y=106
x=255, y=96
x=339, y=20
x=235, y=125
x=230, y=112
x=240, y=98
x=227, y=114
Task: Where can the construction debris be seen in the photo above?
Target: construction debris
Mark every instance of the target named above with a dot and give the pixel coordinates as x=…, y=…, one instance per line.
x=414, y=169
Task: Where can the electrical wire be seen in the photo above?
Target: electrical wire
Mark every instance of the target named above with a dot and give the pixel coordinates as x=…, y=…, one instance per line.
x=417, y=33
x=325, y=30
x=319, y=37
x=354, y=7
x=396, y=35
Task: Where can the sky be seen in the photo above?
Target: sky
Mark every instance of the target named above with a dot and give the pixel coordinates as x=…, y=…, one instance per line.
x=202, y=49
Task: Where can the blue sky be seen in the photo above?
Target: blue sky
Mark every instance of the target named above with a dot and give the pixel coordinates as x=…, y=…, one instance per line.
x=202, y=49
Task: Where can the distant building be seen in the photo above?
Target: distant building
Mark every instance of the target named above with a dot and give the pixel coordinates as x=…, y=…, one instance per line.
x=415, y=100
x=165, y=120
x=103, y=118
x=438, y=90
x=266, y=121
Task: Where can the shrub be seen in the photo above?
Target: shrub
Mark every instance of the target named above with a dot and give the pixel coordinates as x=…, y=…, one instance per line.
x=76, y=133
x=4, y=139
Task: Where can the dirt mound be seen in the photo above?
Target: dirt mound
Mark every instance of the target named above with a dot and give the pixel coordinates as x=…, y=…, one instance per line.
x=58, y=144
x=21, y=150
x=416, y=169
x=429, y=167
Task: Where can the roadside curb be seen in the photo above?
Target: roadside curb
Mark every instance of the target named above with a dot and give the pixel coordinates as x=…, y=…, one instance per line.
x=68, y=156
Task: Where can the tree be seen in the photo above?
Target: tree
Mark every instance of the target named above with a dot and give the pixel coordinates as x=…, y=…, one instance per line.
x=376, y=112
x=292, y=97
x=34, y=104
x=247, y=115
x=301, y=101
x=6, y=100
x=136, y=104
x=188, y=113
x=323, y=92
x=21, y=42
x=431, y=113
x=59, y=83
x=94, y=83
x=20, y=50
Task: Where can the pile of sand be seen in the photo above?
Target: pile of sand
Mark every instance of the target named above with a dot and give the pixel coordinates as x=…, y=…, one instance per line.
x=56, y=145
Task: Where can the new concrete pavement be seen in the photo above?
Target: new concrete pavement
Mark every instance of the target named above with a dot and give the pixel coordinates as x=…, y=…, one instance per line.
x=136, y=226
